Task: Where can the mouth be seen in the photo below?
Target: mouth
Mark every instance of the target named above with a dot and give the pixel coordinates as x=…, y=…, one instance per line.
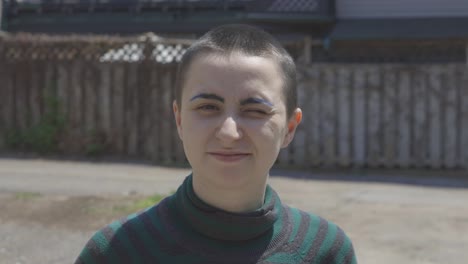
x=229, y=157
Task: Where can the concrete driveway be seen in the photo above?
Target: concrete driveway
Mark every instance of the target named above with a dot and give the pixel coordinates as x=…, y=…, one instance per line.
x=392, y=217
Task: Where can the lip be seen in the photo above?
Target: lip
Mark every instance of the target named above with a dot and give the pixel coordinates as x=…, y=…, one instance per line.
x=229, y=156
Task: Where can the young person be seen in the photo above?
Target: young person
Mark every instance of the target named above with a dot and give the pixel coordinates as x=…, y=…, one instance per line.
x=235, y=108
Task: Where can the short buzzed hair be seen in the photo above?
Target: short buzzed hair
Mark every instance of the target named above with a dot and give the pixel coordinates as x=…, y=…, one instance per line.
x=247, y=40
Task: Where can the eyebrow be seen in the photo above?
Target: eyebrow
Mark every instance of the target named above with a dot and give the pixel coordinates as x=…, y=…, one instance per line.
x=250, y=100
x=208, y=96
x=253, y=100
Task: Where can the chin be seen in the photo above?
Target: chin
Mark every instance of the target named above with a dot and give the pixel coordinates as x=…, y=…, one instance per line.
x=232, y=178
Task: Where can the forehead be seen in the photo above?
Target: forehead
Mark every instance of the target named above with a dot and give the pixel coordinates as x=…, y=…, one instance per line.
x=236, y=72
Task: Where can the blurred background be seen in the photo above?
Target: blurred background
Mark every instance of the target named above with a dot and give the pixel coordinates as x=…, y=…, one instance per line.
x=86, y=122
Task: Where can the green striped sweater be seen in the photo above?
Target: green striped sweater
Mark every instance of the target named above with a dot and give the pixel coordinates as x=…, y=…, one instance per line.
x=184, y=229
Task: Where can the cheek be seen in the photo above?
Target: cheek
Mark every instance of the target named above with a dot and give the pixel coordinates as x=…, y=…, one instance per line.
x=269, y=133
x=194, y=126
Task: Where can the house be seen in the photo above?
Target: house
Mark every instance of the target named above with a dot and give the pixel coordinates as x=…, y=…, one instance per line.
x=345, y=30
x=399, y=31
x=167, y=17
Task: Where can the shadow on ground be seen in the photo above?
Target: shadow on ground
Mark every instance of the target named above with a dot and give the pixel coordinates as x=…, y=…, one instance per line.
x=417, y=177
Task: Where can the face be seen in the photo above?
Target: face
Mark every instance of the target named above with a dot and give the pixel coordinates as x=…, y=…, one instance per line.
x=232, y=119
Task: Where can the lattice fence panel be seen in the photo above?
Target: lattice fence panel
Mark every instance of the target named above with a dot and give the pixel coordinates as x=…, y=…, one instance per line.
x=25, y=47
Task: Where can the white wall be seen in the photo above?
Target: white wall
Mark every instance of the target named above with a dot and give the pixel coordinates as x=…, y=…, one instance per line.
x=401, y=8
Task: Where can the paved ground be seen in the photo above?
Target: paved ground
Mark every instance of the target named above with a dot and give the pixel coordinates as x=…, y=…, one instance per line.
x=47, y=208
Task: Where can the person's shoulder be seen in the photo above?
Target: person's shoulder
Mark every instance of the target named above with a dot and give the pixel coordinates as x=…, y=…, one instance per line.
x=114, y=242
x=323, y=241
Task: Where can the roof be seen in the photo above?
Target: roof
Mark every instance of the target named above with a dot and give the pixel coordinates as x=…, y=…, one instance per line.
x=294, y=6
x=166, y=16
x=167, y=5
x=400, y=28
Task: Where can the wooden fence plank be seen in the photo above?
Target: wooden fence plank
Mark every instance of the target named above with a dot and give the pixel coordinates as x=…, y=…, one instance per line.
x=37, y=89
x=155, y=109
x=404, y=124
x=313, y=119
x=144, y=101
x=76, y=100
x=166, y=137
x=344, y=116
x=76, y=114
x=460, y=86
x=435, y=93
x=51, y=78
x=91, y=75
x=359, y=117
x=62, y=87
x=170, y=116
x=450, y=109
x=104, y=99
x=389, y=122
x=26, y=74
x=328, y=117
x=464, y=118
x=131, y=109
x=143, y=109
x=305, y=112
x=299, y=141
x=118, y=106
x=5, y=105
x=419, y=141
x=311, y=113
x=373, y=123
x=21, y=96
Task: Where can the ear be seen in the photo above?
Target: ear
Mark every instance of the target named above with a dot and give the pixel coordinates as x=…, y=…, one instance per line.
x=293, y=122
x=177, y=117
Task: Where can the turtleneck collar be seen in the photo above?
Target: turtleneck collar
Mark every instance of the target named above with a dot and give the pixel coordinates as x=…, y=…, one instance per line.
x=223, y=225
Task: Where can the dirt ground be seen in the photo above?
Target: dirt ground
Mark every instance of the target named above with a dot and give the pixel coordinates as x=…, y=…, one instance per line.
x=49, y=209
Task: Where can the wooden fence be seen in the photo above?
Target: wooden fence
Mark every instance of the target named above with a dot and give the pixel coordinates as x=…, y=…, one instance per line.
x=126, y=105
x=355, y=115
x=378, y=115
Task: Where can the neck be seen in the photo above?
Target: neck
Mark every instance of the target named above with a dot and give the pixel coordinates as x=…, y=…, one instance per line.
x=230, y=200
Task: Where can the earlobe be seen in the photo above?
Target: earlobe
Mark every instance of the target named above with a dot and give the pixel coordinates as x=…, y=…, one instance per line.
x=298, y=114
x=293, y=122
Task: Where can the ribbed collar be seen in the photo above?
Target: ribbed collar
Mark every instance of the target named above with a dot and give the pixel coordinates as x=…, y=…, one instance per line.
x=222, y=225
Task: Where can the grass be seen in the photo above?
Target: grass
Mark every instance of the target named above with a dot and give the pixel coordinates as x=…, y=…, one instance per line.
x=125, y=206
x=26, y=196
x=144, y=203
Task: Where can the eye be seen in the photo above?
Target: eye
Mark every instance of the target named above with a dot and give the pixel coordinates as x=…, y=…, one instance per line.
x=208, y=108
x=257, y=112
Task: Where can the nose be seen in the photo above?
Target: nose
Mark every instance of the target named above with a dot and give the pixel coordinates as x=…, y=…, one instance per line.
x=229, y=130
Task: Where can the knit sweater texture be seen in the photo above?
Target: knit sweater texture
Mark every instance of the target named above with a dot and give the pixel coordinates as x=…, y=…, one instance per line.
x=184, y=229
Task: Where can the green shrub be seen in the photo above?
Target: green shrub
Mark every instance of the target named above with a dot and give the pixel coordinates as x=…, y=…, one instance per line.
x=42, y=137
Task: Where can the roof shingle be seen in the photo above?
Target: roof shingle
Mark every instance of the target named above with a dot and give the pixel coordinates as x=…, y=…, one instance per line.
x=294, y=6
